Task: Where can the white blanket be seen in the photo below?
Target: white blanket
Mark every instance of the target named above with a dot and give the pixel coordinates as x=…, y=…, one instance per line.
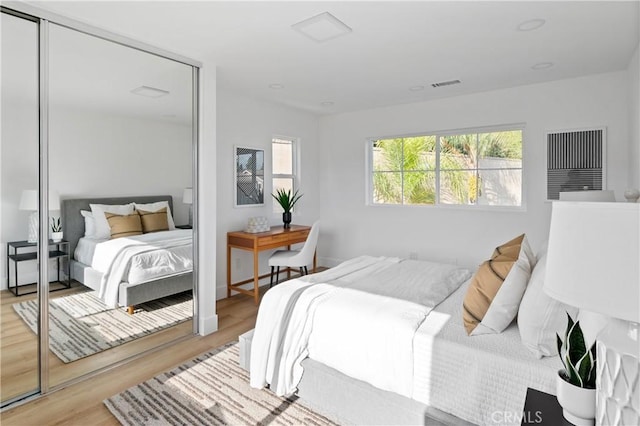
x=113, y=258
x=345, y=318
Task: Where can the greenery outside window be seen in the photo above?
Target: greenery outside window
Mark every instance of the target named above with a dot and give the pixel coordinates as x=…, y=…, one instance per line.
x=283, y=156
x=471, y=168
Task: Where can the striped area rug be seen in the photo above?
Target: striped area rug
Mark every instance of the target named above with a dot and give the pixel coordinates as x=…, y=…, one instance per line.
x=81, y=325
x=211, y=389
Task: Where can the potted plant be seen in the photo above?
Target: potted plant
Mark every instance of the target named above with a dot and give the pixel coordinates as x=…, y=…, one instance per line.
x=56, y=230
x=286, y=201
x=576, y=383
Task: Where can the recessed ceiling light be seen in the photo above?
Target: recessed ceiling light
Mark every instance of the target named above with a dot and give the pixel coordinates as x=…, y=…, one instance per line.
x=322, y=27
x=416, y=88
x=530, y=25
x=542, y=66
x=327, y=103
x=149, y=92
x=276, y=86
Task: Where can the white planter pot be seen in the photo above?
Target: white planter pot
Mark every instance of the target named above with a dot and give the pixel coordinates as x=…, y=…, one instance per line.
x=56, y=237
x=578, y=404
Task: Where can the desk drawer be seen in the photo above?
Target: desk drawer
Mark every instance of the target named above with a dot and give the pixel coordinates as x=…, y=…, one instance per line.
x=284, y=239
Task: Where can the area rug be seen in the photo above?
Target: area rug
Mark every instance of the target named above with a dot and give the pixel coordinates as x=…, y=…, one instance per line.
x=81, y=325
x=211, y=389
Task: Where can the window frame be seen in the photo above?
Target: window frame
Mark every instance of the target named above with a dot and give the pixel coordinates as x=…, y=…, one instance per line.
x=369, y=168
x=294, y=176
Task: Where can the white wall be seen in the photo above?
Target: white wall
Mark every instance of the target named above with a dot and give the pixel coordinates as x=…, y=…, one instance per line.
x=634, y=120
x=94, y=154
x=252, y=123
x=350, y=228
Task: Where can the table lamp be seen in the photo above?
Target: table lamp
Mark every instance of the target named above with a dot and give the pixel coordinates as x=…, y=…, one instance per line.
x=29, y=201
x=187, y=198
x=593, y=263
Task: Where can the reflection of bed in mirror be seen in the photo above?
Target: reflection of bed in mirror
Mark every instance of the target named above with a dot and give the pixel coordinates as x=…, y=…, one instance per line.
x=148, y=285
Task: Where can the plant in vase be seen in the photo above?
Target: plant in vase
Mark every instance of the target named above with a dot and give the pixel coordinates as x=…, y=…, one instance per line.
x=577, y=381
x=286, y=201
x=56, y=230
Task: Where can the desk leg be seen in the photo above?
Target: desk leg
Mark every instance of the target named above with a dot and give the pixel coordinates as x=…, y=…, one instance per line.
x=288, y=268
x=228, y=270
x=256, y=278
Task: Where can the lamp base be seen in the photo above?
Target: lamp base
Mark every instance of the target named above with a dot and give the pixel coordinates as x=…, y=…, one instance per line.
x=33, y=227
x=618, y=380
x=190, y=215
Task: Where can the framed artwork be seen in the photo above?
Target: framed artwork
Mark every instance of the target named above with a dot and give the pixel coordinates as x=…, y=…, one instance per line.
x=249, y=177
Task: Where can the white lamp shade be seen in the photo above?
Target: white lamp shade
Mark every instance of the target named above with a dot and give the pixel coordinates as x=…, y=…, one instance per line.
x=605, y=195
x=187, y=196
x=29, y=200
x=593, y=260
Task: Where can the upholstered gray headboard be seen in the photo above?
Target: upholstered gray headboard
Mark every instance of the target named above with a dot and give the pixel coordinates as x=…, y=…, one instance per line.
x=73, y=222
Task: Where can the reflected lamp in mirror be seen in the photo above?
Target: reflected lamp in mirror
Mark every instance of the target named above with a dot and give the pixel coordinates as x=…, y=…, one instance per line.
x=593, y=263
x=187, y=198
x=29, y=202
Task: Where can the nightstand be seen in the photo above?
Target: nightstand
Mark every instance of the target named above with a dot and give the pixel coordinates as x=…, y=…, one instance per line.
x=184, y=227
x=542, y=409
x=57, y=250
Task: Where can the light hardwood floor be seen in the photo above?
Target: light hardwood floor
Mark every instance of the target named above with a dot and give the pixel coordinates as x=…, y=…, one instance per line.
x=81, y=404
x=18, y=349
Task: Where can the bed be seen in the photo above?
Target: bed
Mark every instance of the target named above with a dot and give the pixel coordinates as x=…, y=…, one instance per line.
x=146, y=287
x=419, y=371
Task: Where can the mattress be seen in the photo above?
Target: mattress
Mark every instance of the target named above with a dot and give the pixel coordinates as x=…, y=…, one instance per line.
x=481, y=379
x=143, y=267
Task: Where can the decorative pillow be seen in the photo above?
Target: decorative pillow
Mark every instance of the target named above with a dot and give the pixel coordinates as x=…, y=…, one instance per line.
x=102, y=226
x=124, y=225
x=89, y=223
x=493, y=296
x=154, y=207
x=540, y=316
x=154, y=221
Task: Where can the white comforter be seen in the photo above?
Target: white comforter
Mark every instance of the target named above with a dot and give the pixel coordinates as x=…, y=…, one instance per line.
x=172, y=255
x=346, y=318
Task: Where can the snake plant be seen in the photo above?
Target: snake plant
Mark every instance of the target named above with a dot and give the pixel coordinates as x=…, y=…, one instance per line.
x=285, y=199
x=579, y=362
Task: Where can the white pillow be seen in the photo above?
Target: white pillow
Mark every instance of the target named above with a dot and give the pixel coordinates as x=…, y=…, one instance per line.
x=154, y=207
x=540, y=316
x=102, y=226
x=503, y=307
x=89, y=223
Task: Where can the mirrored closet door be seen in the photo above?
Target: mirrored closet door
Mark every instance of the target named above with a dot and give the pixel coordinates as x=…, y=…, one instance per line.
x=107, y=133
x=19, y=181
x=120, y=157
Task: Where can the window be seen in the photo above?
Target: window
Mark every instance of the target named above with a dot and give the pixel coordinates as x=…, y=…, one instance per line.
x=284, y=166
x=471, y=168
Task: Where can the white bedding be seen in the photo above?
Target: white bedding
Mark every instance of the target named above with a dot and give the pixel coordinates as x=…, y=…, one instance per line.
x=481, y=379
x=136, y=259
x=314, y=315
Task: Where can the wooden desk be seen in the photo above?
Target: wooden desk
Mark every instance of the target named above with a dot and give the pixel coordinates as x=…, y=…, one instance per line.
x=276, y=237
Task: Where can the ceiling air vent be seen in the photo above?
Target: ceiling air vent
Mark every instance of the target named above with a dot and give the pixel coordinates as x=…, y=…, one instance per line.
x=445, y=83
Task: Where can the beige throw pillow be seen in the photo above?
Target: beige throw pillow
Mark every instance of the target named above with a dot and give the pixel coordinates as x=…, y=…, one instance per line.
x=124, y=225
x=494, y=295
x=154, y=221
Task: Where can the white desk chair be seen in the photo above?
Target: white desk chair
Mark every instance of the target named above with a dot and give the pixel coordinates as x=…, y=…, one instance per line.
x=296, y=258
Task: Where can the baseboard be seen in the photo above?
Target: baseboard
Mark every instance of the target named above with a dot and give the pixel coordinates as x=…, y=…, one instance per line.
x=329, y=262
x=207, y=325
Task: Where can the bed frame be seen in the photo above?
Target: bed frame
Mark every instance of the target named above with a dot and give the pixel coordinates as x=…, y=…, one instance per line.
x=129, y=295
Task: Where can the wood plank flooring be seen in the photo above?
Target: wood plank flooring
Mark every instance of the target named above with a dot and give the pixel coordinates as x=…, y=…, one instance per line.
x=18, y=349
x=81, y=404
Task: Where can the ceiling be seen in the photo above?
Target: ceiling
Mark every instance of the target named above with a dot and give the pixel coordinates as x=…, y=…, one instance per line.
x=393, y=46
